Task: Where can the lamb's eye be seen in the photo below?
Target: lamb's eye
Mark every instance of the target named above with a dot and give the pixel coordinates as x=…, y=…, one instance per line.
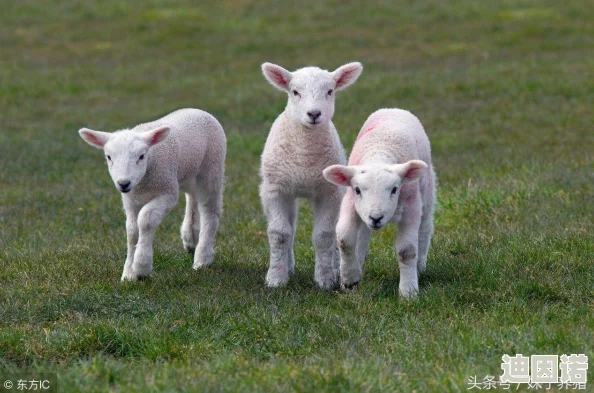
x=108, y=158
x=141, y=157
x=295, y=93
x=357, y=190
x=330, y=92
x=394, y=190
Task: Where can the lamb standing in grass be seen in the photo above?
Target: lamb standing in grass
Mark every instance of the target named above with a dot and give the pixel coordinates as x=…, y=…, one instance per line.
x=150, y=164
x=302, y=142
x=390, y=178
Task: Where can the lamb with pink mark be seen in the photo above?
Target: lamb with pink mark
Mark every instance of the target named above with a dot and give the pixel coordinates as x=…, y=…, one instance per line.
x=150, y=164
x=390, y=178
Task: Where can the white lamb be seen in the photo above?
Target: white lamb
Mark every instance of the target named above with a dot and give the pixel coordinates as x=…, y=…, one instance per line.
x=150, y=164
x=302, y=142
x=391, y=179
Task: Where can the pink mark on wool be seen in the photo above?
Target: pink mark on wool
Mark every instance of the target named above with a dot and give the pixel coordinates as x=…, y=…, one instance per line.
x=372, y=125
x=356, y=155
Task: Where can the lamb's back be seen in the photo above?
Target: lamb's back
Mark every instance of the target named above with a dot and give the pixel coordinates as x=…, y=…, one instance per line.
x=194, y=134
x=395, y=133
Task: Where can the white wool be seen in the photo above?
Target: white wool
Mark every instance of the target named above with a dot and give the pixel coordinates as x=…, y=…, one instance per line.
x=391, y=179
x=150, y=164
x=302, y=142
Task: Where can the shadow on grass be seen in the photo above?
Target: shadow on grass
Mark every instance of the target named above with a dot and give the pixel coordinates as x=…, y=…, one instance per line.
x=447, y=285
x=228, y=271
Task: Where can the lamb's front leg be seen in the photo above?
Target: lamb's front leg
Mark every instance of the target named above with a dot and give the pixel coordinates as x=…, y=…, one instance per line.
x=347, y=230
x=363, y=238
x=131, y=233
x=326, y=211
x=149, y=218
x=293, y=220
x=407, y=244
x=278, y=208
x=407, y=249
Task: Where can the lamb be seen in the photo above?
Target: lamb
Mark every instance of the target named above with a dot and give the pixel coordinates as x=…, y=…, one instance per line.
x=391, y=179
x=302, y=142
x=150, y=164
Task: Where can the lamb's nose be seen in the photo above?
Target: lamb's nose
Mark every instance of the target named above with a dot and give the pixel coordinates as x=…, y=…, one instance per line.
x=376, y=220
x=123, y=184
x=313, y=115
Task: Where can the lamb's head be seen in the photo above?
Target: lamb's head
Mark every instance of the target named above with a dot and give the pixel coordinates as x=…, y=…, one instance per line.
x=376, y=187
x=126, y=152
x=311, y=90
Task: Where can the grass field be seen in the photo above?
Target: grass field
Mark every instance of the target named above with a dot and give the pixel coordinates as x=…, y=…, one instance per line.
x=505, y=90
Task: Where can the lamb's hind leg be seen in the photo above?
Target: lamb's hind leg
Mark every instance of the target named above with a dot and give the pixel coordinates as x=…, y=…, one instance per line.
x=326, y=211
x=210, y=208
x=426, y=228
x=190, y=229
x=425, y=233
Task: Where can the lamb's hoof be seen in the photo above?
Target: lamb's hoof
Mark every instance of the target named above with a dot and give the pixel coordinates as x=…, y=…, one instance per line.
x=202, y=261
x=276, y=283
x=328, y=279
x=201, y=265
x=409, y=293
x=134, y=277
x=421, y=265
x=275, y=280
x=350, y=286
x=327, y=285
x=190, y=250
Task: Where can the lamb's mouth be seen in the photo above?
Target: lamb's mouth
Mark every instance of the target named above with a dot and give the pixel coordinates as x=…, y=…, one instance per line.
x=124, y=190
x=375, y=226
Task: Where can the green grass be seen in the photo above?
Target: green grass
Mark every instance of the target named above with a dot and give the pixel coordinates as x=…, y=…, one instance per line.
x=505, y=91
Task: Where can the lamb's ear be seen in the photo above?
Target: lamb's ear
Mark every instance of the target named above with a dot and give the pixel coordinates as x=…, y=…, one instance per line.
x=339, y=174
x=411, y=170
x=347, y=74
x=277, y=76
x=155, y=136
x=96, y=139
